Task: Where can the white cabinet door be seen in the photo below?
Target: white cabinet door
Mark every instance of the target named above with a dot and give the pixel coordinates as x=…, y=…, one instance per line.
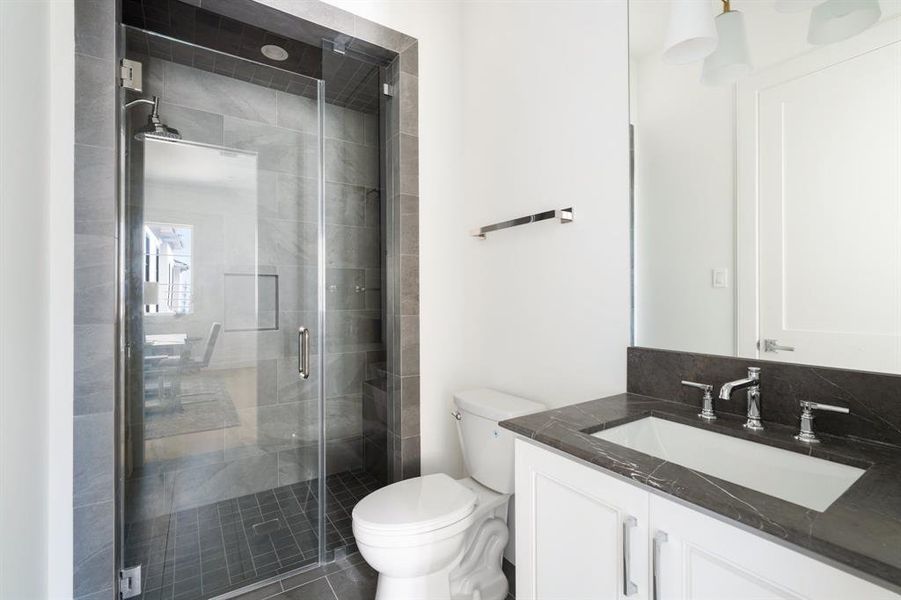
x=706, y=559
x=580, y=534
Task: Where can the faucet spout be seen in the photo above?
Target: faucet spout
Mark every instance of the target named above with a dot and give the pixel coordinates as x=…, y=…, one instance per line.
x=738, y=384
x=752, y=384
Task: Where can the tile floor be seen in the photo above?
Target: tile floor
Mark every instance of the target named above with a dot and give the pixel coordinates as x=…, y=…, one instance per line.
x=349, y=578
x=202, y=552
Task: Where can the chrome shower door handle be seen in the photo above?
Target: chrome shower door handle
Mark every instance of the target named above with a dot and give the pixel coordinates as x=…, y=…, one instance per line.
x=303, y=352
x=659, y=538
x=629, y=587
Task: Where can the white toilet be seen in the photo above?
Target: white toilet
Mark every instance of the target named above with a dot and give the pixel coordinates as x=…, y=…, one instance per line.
x=436, y=538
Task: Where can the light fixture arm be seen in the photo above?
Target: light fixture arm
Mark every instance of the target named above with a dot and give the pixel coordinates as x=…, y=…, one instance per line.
x=726, y=6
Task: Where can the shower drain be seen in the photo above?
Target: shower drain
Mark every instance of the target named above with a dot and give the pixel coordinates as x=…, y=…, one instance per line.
x=265, y=527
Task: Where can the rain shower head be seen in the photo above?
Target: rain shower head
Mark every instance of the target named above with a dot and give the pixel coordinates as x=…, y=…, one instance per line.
x=154, y=126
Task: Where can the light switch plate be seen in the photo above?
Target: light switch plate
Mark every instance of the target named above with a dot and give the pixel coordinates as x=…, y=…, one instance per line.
x=720, y=278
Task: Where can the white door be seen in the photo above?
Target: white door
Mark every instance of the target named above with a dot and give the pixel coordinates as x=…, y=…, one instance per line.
x=580, y=534
x=700, y=558
x=827, y=154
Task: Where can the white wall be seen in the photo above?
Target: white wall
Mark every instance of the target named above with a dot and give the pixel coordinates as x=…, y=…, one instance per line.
x=546, y=126
x=523, y=107
x=35, y=317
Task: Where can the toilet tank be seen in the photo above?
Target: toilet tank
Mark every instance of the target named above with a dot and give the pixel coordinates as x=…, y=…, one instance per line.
x=487, y=448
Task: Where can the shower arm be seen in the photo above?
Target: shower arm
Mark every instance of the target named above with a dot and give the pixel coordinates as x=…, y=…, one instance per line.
x=139, y=101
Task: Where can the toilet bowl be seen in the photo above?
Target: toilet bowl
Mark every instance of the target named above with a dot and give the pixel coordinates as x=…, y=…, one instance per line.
x=437, y=538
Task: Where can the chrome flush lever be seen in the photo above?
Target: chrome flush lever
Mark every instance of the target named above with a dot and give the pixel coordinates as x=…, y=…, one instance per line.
x=707, y=412
x=806, y=434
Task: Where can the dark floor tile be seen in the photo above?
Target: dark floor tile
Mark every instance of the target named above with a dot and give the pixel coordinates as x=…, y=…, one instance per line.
x=205, y=551
x=269, y=591
x=355, y=583
x=318, y=589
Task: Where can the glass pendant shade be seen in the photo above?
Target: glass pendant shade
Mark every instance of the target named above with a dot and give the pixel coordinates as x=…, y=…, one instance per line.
x=691, y=34
x=836, y=20
x=731, y=59
x=794, y=6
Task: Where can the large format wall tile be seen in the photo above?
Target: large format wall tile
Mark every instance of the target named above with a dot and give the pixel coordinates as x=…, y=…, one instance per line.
x=95, y=280
x=281, y=150
x=93, y=533
x=95, y=122
x=95, y=190
x=344, y=124
x=297, y=112
x=346, y=204
x=220, y=94
x=95, y=28
x=356, y=164
x=93, y=477
x=95, y=368
x=194, y=125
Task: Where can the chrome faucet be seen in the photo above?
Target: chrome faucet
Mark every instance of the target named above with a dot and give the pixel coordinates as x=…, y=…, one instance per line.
x=752, y=384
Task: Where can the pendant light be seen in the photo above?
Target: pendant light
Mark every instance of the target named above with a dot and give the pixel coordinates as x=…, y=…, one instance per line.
x=691, y=34
x=836, y=20
x=795, y=6
x=731, y=59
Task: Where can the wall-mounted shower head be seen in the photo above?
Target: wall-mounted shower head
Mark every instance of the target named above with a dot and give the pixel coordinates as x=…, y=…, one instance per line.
x=154, y=126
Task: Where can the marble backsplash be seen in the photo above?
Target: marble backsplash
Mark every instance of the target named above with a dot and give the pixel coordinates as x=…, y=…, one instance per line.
x=874, y=398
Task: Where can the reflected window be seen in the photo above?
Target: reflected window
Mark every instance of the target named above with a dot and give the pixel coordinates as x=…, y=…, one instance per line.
x=168, y=285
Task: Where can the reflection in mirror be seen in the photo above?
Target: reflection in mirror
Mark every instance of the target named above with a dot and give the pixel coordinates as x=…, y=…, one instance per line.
x=767, y=179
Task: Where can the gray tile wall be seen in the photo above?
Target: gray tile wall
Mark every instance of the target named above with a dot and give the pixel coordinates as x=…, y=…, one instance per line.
x=402, y=265
x=95, y=298
x=95, y=193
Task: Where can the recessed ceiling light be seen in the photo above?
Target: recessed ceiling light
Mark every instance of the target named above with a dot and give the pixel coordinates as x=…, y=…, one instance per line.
x=274, y=52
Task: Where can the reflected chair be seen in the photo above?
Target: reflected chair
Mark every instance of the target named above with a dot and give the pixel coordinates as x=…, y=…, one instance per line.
x=171, y=369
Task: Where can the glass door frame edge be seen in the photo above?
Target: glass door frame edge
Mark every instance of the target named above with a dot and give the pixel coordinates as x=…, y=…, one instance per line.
x=321, y=318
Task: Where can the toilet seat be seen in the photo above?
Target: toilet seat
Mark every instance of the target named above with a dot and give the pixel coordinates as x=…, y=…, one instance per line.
x=414, y=508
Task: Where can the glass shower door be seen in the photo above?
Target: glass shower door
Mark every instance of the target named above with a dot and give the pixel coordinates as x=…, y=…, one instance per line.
x=222, y=289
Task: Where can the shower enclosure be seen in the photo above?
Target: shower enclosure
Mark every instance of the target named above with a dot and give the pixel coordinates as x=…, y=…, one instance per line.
x=253, y=269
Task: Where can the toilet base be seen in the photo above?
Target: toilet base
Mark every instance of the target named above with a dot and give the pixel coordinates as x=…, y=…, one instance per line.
x=433, y=586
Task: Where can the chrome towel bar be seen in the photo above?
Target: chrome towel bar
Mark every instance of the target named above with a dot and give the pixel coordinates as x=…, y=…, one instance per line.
x=564, y=215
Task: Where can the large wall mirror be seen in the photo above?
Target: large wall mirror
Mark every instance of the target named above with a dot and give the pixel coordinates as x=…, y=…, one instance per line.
x=767, y=179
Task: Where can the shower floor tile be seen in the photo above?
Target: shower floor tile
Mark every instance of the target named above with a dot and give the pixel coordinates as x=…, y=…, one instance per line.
x=205, y=551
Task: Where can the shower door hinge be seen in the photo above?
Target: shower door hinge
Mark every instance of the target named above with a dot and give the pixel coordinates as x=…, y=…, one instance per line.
x=130, y=582
x=388, y=90
x=130, y=75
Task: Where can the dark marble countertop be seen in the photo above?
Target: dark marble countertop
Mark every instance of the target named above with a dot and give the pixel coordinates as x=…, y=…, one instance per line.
x=859, y=533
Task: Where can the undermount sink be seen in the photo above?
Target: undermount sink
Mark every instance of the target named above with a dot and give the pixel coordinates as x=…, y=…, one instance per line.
x=811, y=482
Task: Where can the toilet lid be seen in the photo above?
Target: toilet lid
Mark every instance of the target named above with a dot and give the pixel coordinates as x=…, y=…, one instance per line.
x=415, y=505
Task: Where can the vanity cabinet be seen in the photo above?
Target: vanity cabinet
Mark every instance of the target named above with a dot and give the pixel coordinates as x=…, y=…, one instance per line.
x=583, y=534
x=579, y=533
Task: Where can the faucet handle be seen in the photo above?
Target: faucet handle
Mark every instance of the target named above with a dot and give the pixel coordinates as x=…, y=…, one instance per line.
x=808, y=406
x=707, y=412
x=700, y=386
x=807, y=434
